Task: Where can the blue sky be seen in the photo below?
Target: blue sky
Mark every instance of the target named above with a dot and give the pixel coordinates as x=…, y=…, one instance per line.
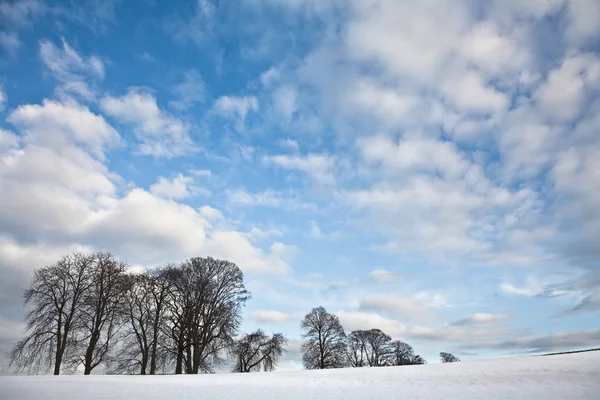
x=428, y=169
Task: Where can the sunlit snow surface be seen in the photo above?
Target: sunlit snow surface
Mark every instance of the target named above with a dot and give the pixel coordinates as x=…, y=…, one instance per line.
x=573, y=376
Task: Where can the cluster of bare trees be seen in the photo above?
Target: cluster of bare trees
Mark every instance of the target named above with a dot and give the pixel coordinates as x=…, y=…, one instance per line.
x=89, y=310
x=326, y=345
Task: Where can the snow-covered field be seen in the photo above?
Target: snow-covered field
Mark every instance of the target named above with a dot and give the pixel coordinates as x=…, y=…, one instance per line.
x=572, y=376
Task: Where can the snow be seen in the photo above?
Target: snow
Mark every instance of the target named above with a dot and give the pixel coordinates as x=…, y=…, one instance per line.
x=571, y=376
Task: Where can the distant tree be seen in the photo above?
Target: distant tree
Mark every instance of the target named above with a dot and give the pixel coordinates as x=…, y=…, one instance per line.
x=379, y=349
x=418, y=360
x=404, y=354
x=448, y=357
x=356, y=351
x=324, y=340
x=203, y=312
x=54, y=297
x=101, y=311
x=256, y=351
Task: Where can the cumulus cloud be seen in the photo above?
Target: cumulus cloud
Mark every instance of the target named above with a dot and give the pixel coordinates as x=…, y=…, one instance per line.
x=401, y=307
x=236, y=107
x=159, y=133
x=178, y=187
x=60, y=193
x=318, y=166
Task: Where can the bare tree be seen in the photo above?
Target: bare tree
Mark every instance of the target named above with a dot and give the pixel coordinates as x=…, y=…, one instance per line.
x=55, y=295
x=204, y=312
x=418, y=360
x=356, y=351
x=101, y=311
x=370, y=348
x=257, y=350
x=448, y=357
x=404, y=354
x=143, y=312
x=324, y=340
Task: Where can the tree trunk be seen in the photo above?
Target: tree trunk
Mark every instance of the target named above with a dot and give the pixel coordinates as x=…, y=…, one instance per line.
x=144, y=364
x=57, y=362
x=179, y=363
x=89, y=354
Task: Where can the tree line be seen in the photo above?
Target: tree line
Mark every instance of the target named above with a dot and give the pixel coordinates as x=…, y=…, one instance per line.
x=88, y=310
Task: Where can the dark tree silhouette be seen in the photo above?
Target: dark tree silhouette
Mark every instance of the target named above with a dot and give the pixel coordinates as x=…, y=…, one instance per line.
x=404, y=354
x=418, y=360
x=370, y=348
x=203, y=312
x=54, y=297
x=101, y=311
x=143, y=314
x=356, y=351
x=257, y=350
x=379, y=349
x=324, y=340
x=448, y=357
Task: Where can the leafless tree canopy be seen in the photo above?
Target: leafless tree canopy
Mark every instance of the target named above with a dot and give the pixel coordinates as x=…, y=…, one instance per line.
x=206, y=297
x=369, y=348
x=404, y=354
x=143, y=314
x=448, y=357
x=100, y=311
x=257, y=350
x=54, y=299
x=324, y=340
x=87, y=310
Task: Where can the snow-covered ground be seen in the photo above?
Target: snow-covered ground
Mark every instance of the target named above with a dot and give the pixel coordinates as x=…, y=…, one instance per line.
x=572, y=376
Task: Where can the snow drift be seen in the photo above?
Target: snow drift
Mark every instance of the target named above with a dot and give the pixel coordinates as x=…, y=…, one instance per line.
x=570, y=376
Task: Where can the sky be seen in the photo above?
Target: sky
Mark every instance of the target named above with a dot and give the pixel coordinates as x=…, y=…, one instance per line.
x=431, y=168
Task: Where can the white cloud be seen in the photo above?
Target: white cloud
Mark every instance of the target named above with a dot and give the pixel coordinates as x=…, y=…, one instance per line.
x=400, y=307
x=70, y=69
x=204, y=173
x=8, y=140
x=553, y=342
x=561, y=97
x=178, y=187
x=273, y=317
x=468, y=92
x=482, y=318
x=160, y=134
x=65, y=63
x=382, y=275
x=190, y=91
x=2, y=99
x=509, y=288
x=211, y=214
x=285, y=101
x=51, y=123
x=55, y=192
x=584, y=19
x=269, y=198
x=420, y=155
x=236, y=107
x=318, y=166
x=10, y=42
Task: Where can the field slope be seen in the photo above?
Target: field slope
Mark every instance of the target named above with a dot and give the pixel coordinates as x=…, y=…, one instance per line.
x=569, y=376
